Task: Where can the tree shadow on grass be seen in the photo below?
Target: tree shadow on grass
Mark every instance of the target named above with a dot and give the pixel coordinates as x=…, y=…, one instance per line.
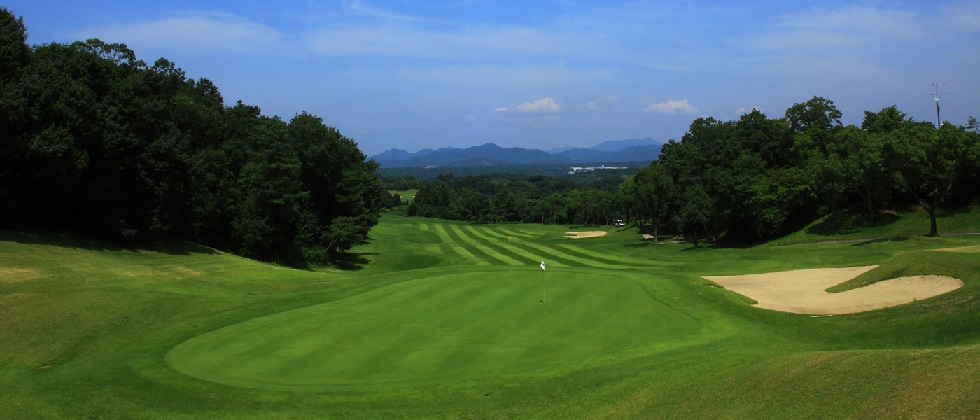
x=80, y=242
x=843, y=223
x=880, y=240
x=350, y=261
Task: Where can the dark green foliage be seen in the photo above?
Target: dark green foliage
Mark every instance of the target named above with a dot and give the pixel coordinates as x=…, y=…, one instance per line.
x=744, y=181
x=767, y=177
x=513, y=198
x=99, y=142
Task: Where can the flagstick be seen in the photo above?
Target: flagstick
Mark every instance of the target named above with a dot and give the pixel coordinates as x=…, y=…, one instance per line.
x=544, y=292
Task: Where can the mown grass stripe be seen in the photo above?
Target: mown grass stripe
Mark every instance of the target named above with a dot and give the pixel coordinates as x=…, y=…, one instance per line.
x=553, y=255
x=581, y=253
x=446, y=245
x=477, y=251
x=511, y=232
x=498, y=246
x=455, y=246
x=582, y=258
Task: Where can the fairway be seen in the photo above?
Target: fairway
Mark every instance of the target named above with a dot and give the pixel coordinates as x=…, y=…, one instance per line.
x=440, y=319
x=441, y=329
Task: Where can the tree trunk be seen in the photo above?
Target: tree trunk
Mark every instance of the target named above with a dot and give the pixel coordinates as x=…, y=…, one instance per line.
x=656, y=228
x=933, y=228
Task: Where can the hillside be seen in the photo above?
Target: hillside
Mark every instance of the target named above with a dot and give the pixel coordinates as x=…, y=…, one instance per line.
x=642, y=150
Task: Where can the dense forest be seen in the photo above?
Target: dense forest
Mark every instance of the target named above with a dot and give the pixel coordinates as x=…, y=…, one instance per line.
x=99, y=142
x=748, y=180
x=588, y=198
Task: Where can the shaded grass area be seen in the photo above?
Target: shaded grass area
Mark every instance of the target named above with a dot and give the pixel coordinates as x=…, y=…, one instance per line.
x=85, y=330
x=893, y=225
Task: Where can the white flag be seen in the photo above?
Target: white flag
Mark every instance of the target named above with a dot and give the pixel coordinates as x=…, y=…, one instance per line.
x=542, y=265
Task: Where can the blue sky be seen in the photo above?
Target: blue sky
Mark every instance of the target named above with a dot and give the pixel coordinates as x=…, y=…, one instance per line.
x=543, y=74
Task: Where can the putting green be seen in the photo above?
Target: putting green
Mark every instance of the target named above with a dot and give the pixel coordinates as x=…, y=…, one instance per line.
x=441, y=329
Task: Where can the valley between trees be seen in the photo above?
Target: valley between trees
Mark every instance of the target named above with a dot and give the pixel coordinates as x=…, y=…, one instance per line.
x=97, y=141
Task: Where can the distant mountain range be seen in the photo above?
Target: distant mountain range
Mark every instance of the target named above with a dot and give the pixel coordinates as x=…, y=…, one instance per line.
x=634, y=150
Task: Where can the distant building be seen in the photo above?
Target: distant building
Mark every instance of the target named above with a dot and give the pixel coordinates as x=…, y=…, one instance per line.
x=577, y=169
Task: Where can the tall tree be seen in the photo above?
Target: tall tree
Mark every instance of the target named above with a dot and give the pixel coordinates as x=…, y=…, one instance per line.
x=929, y=162
x=813, y=121
x=695, y=211
x=654, y=190
x=15, y=57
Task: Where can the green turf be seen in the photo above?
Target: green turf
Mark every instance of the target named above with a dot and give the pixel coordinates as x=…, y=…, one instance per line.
x=444, y=320
x=437, y=330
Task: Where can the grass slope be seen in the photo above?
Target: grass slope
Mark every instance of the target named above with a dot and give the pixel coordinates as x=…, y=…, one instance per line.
x=443, y=320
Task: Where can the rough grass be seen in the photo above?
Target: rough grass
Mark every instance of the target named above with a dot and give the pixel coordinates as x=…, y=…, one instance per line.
x=86, y=329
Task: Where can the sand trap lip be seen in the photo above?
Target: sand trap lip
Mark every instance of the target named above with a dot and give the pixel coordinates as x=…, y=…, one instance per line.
x=582, y=235
x=975, y=249
x=804, y=291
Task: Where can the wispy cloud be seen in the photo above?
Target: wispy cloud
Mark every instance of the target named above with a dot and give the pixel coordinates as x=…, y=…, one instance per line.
x=456, y=43
x=363, y=8
x=849, y=28
x=512, y=77
x=672, y=107
x=964, y=15
x=197, y=32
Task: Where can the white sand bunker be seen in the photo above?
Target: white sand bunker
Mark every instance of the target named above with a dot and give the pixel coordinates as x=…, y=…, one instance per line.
x=580, y=235
x=804, y=291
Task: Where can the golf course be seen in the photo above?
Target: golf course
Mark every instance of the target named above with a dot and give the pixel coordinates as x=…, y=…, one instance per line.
x=441, y=319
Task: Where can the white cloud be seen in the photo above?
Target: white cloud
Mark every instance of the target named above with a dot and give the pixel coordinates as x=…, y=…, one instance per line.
x=501, y=109
x=742, y=110
x=193, y=32
x=672, y=107
x=540, y=105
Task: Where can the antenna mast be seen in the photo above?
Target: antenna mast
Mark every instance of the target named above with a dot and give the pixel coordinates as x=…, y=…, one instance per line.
x=936, y=96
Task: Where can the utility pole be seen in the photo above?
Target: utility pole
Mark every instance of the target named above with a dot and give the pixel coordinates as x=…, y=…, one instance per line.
x=936, y=96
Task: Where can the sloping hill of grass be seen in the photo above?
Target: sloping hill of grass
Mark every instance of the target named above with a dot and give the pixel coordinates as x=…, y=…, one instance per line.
x=849, y=225
x=442, y=319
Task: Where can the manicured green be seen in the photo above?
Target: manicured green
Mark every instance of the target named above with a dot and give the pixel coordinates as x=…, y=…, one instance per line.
x=437, y=319
x=441, y=329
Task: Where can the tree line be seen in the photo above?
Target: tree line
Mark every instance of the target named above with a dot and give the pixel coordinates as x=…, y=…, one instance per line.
x=96, y=141
x=758, y=177
x=497, y=198
x=748, y=180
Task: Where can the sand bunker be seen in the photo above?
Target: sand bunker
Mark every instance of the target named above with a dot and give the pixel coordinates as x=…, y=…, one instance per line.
x=580, y=235
x=804, y=291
